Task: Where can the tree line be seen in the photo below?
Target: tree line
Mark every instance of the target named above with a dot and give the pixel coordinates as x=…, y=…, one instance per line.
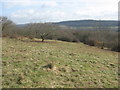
x=100, y=38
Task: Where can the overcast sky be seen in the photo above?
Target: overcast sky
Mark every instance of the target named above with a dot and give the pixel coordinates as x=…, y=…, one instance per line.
x=24, y=11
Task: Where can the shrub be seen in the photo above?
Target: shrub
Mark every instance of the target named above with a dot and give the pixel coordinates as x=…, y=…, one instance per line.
x=35, y=30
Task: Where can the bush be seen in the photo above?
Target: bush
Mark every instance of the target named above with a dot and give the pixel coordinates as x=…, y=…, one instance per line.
x=35, y=30
x=116, y=48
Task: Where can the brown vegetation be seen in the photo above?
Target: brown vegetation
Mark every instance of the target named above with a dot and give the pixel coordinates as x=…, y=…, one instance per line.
x=99, y=38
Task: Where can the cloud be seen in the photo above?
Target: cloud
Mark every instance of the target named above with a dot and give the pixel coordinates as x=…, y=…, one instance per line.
x=49, y=3
x=32, y=15
x=25, y=3
x=21, y=11
x=102, y=9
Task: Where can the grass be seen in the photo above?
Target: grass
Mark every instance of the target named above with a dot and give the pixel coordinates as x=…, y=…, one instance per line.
x=57, y=64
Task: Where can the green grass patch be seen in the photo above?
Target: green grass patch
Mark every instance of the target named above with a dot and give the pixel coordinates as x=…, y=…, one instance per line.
x=75, y=65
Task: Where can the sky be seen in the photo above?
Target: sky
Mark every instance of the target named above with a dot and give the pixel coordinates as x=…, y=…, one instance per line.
x=31, y=11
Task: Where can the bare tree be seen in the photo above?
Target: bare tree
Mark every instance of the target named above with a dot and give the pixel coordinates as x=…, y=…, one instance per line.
x=45, y=35
x=5, y=25
x=45, y=31
x=5, y=22
x=40, y=30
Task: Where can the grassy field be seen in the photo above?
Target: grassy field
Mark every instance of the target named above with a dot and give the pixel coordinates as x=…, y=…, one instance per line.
x=57, y=64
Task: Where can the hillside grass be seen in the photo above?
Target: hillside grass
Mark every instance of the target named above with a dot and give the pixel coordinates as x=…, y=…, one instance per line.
x=74, y=65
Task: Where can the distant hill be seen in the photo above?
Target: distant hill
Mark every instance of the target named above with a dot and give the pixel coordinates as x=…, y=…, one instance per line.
x=85, y=24
x=89, y=23
x=22, y=25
